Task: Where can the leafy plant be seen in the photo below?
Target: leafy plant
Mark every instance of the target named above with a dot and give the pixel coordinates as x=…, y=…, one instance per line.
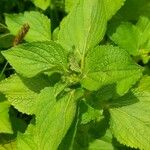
x=81, y=86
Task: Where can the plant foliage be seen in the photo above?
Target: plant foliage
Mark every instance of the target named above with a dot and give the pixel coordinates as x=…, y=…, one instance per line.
x=75, y=75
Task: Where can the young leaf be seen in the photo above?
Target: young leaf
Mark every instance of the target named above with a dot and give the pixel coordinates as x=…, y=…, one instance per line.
x=38, y=56
x=83, y=29
x=53, y=119
x=22, y=92
x=106, y=65
x=42, y=4
x=5, y=124
x=85, y=25
x=39, y=25
x=89, y=113
x=131, y=124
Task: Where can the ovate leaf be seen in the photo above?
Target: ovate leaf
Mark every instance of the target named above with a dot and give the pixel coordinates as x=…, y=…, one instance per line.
x=84, y=27
x=53, y=119
x=38, y=56
x=22, y=92
x=39, y=25
x=133, y=38
x=107, y=65
x=89, y=113
x=130, y=124
x=42, y=4
x=127, y=36
x=5, y=124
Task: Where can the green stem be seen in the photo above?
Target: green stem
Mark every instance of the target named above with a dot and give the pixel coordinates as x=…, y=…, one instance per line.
x=82, y=64
x=3, y=26
x=3, y=69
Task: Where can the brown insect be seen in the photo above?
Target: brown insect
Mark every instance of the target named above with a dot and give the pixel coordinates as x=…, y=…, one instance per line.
x=21, y=34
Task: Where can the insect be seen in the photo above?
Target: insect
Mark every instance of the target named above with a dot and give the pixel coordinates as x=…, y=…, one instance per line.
x=21, y=34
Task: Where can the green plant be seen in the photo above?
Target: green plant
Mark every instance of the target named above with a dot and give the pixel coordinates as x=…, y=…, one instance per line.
x=75, y=88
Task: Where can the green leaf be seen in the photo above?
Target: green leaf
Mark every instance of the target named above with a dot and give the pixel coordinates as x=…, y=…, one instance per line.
x=69, y=5
x=3, y=28
x=132, y=9
x=1, y=59
x=83, y=29
x=42, y=4
x=74, y=66
x=143, y=25
x=69, y=139
x=18, y=121
x=112, y=6
x=86, y=134
x=85, y=25
x=22, y=92
x=100, y=145
x=107, y=65
x=103, y=143
x=5, y=124
x=133, y=38
x=55, y=34
x=106, y=93
x=89, y=113
x=127, y=36
x=38, y=56
x=53, y=119
x=2, y=76
x=39, y=25
x=130, y=124
x=7, y=142
x=6, y=40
